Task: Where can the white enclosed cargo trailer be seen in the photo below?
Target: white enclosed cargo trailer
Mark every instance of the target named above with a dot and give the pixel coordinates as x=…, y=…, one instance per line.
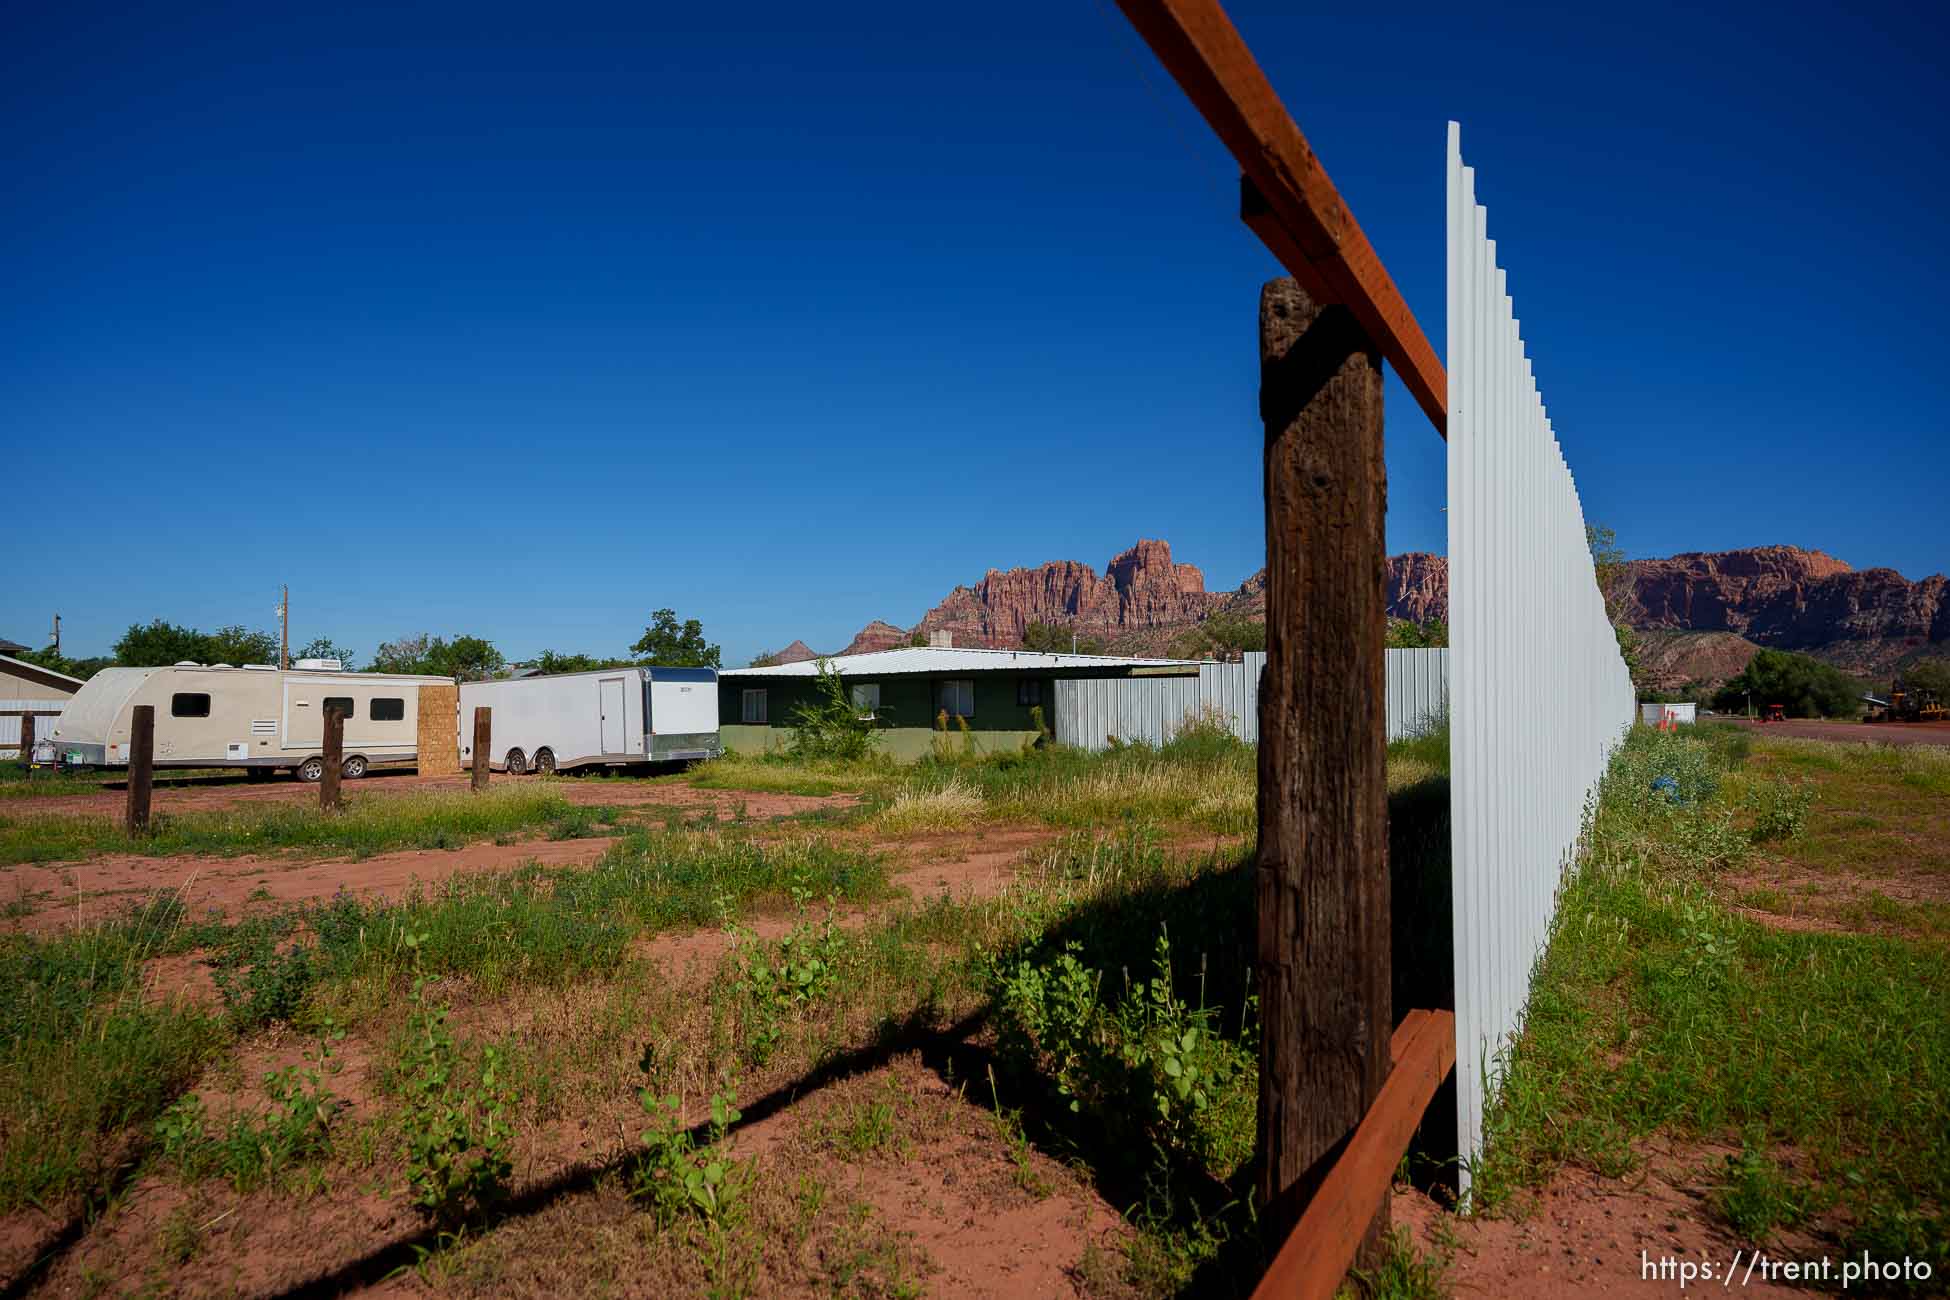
x=609, y=717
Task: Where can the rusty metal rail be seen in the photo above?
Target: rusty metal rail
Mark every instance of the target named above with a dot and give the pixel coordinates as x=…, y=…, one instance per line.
x=1287, y=199
x=1316, y=1255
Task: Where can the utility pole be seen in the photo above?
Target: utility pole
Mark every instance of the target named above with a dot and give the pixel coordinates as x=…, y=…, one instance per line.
x=284, y=627
x=57, y=634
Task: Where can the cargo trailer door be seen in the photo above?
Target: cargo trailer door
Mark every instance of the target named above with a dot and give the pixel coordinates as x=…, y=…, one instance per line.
x=611, y=703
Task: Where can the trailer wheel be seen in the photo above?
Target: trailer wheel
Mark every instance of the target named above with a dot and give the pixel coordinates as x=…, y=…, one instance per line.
x=517, y=762
x=545, y=762
x=353, y=768
x=312, y=769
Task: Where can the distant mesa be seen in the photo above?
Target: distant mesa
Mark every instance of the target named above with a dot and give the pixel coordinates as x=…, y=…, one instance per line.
x=876, y=635
x=796, y=653
x=1865, y=621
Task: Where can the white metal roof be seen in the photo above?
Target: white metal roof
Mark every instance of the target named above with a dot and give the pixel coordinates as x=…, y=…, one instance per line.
x=956, y=659
x=9, y=661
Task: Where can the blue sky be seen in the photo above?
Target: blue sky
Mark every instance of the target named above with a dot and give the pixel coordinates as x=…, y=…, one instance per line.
x=525, y=321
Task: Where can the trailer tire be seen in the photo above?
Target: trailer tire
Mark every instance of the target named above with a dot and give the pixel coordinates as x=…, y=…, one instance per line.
x=545, y=762
x=517, y=763
x=353, y=768
x=312, y=770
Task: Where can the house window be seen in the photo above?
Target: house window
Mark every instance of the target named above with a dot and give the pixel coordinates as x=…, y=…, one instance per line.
x=343, y=703
x=1029, y=691
x=866, y=699
x=189, y=704
x=387, y=708
x=955, y=698
x=754, y=708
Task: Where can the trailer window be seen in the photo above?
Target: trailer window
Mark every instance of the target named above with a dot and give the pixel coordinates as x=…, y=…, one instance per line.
x=189, y=704
x=956, y=698
x=1029, y=692
x=754, y=707
x=343, y=703
x=866, y=699
x=387, y=708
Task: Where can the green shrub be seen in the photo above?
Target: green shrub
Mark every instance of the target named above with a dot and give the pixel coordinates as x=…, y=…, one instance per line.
x=458, y=1128
x=831, y=725
x=675, y=1176
x=1805, y=687
x=1780, y=810
x=779, y=981
x=1147, y=1068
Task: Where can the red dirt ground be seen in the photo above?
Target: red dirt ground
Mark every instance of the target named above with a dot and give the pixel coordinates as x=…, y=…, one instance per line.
x=1585, y=1235
x=223, y=792
x=73, y=893
x=1874, y=733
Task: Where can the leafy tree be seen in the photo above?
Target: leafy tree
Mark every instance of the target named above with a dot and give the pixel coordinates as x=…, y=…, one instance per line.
x=667, y=643
x=1804, y=687
x=323, y=647
x=240, y=645
x=1054, y=638
x=54, y=662
x=159, y=644
x=1932, y=675
x=831, y=725
x=548, y=661
x=1220, y=636
x=466, y=658
x=765, y=659
x=1407, y=634
x=1615, y=585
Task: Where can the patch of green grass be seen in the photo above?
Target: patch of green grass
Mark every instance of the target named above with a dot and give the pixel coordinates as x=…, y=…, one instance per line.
x=1657, y=1009
x=1402, y=1273
x=369, y=824
x=1427, y=749
x=16, y=782
x=83, y=1060
x=780, y=774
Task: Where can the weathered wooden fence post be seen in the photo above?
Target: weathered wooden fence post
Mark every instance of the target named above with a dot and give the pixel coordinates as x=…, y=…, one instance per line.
x=27, y=740
x=483, y=738
x=1322, y=880
x=142, y=757
x=328, y=780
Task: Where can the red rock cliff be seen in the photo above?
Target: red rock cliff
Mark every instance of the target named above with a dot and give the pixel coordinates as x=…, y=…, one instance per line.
x=1139, y=589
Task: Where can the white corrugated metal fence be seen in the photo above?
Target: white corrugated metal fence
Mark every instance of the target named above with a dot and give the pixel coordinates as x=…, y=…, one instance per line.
x=45, y=712
x=1538, y=695
x=1152, y=709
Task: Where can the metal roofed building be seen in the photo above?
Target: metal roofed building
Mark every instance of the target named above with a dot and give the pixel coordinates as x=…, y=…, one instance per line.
x=994, y=692
x=29, y=688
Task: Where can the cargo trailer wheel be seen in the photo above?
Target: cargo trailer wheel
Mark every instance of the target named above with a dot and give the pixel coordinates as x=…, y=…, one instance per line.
x=312, y=769
x=353, y=768
x=517, y=762
x=545, y=762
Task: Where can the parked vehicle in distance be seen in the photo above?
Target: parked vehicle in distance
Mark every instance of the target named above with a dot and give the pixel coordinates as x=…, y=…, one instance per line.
x=610, y=717
x=257, y=717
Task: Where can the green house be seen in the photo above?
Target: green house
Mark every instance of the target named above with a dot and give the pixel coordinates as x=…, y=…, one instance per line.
x=995, y=693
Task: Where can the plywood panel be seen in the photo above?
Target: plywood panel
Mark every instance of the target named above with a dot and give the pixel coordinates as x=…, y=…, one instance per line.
x=438, y=743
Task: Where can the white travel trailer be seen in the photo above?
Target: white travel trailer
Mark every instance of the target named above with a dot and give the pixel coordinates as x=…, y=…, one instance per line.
x=258, y=718
x=609, y=717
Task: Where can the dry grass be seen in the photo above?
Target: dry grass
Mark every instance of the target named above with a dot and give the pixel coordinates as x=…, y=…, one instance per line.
x=950, y=807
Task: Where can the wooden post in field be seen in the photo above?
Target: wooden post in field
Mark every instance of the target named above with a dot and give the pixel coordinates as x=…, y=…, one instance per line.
x=328, y=780
x=1322, y=880
x=142, y=771
x=483, y=738
x=27, y=740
